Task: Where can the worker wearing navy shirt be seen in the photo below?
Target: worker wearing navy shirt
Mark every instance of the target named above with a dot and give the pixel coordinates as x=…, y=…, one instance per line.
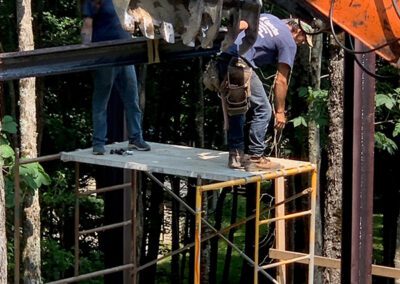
x=101, y=23
x=276, y=43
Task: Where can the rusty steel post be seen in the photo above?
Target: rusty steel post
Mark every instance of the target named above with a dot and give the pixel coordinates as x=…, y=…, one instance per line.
x=358, y=173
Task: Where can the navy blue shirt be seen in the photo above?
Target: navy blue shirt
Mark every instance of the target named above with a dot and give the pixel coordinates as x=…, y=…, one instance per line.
x=106, y=25
x=274, y=44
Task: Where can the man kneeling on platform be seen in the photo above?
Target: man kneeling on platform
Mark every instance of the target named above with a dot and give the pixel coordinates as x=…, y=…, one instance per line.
x=243, y=96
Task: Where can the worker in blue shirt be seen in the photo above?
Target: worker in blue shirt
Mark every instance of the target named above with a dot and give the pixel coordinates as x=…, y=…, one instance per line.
x=276, y=44
x=101, y=23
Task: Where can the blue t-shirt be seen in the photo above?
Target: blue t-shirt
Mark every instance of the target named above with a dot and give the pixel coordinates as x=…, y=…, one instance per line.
x=274, y=44
x=106, y=25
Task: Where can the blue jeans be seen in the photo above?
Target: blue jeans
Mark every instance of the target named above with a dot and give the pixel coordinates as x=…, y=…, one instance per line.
x=123, y=79
x=255, y=122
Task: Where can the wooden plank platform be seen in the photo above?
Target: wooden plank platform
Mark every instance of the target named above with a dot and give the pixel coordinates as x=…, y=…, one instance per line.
x=171, y=159
x=379, y=270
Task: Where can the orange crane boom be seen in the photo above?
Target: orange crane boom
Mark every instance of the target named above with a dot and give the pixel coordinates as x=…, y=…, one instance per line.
x=376, y=23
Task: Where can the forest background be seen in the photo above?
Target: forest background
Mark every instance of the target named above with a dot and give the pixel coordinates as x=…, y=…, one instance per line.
x=177, y=110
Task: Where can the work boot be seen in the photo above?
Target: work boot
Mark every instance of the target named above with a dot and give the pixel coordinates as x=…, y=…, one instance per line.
x=99, y=150
x=257, y=163
x=236, y=157
x=139, y=145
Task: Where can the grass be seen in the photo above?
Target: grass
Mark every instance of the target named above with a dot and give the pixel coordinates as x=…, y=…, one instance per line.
x=163, y=268
x=377, y=238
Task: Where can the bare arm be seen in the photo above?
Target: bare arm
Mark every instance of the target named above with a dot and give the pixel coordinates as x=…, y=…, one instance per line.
x=280, y=90
x=86, y=31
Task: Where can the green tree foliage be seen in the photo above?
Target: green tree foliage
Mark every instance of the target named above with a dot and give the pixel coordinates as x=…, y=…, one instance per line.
x=387, y=121
x=168, y=118
x=31, y=175
x=318, y=113
x=8, y=33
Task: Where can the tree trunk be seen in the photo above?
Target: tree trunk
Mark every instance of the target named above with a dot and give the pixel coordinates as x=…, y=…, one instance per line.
x=2, y=96
x=40, y=92
x=397, y=255
x=31, y=251
x=314, y=141
x=175, y=184
x=155, y=221
x=311, y=62
x=199, y=105
x=214, y=242
x=247, y=275
x=333, y=196
x=228, y=256
x=189, y=231
x=3, y=238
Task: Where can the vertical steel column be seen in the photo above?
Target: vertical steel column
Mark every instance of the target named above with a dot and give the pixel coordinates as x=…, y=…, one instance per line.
x=197, y=235
x=17, y=218
x=133, y=224
x=348, y=107
x=76, y=227
x=314, y=175
x=358, y=179
x=257, y=232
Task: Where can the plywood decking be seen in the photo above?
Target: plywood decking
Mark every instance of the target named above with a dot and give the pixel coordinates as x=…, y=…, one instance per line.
x=171, y=159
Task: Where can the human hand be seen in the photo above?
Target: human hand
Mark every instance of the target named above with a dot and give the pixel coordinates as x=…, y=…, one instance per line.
x=280, y=120
x=243, y=25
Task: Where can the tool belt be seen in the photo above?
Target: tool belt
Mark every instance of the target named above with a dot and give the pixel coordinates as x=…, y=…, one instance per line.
x=236, y=86
x=211, y=76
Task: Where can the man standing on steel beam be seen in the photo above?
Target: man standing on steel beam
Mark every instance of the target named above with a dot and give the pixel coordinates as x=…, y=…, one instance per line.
x=101, y=23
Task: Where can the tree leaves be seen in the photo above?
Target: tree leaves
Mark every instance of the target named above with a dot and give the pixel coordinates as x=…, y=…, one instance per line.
x=384, y=143
x=6, y=151
x=317, y=101
x=300, y=120
x=387, y=120
x=386, y=100
x=33, y=175
x=8, y=125
x=396, y=130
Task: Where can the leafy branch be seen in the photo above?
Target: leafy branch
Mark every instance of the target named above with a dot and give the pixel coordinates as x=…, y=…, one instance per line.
x=32, y=176
x=388, y=121
x=317, y=111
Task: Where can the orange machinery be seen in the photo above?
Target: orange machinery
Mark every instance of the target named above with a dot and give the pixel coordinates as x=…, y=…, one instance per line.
x=375, y=23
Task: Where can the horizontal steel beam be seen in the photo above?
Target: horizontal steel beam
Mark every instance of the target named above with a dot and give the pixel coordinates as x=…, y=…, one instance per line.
x=77, y=58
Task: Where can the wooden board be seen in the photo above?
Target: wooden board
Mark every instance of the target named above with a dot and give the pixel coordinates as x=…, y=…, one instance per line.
x=321, y=261
x=171, y=159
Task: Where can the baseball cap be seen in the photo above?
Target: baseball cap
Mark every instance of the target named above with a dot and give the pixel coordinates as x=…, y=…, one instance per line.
x=305, y=27
x=308, y=30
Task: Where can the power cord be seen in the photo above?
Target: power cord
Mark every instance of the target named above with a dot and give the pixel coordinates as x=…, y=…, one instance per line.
x=370, y=73
x=352, y=51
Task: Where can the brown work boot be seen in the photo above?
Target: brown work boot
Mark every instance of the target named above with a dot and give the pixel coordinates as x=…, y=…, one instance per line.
x=256, y=163
x=236, y=157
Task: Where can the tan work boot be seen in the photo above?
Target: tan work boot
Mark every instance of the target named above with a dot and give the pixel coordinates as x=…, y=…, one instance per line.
x=256, y=163
x=236, y=157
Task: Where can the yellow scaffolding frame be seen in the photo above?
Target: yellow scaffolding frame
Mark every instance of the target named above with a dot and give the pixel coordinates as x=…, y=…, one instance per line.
x=280, y=218
x=279, y=252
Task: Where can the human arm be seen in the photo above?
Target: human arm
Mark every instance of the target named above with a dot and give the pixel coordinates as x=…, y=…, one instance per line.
x=280, y=91
x=87, y=29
